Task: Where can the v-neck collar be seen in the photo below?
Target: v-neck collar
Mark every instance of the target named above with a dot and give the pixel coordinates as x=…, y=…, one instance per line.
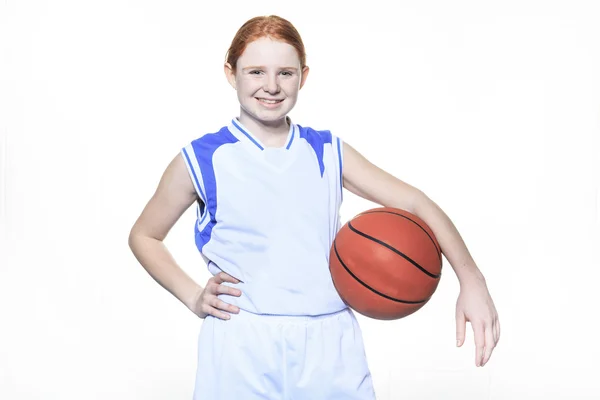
x=241, y=133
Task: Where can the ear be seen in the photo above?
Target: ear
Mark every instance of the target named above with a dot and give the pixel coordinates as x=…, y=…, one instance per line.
x=304, y=76
x=230, y=74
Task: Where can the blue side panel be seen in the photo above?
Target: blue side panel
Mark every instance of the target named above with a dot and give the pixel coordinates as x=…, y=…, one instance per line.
x=317, y=140
x=205, y=148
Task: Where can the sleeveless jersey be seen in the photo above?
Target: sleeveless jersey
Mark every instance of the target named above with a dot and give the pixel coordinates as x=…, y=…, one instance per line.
x=269, y=216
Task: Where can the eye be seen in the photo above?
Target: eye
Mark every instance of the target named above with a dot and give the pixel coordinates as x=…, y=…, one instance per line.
x=255, y=72
x=287, y=73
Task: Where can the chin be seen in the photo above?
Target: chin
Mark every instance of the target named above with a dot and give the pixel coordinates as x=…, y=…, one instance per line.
x=269, y=116
x=273, y=117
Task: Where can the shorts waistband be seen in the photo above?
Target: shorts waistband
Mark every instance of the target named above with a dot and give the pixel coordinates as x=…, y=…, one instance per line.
x=278, y=318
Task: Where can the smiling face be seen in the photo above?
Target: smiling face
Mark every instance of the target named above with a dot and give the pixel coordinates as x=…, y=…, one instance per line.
x=267, y=78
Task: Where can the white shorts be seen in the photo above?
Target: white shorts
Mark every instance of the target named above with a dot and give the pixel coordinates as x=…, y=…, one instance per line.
x=280, y=357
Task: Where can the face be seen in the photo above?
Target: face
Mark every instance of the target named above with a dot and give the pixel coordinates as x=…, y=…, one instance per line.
x=267, y=80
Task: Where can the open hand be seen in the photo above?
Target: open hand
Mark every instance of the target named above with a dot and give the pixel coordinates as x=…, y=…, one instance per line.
x=475, y=305
x=207, y=302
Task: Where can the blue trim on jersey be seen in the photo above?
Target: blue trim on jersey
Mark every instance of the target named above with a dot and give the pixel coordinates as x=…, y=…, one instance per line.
x=292, y=138
x=317, y=140
x=204, y=148
x=246, y=133
x=341, y=175
x=202, y=216
x=187, y=157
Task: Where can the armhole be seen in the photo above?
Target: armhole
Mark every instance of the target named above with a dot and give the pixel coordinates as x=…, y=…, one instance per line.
x=338, y=146
x=193, y=167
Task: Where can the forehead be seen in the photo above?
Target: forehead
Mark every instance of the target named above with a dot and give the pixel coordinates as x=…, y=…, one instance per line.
x=266, y=51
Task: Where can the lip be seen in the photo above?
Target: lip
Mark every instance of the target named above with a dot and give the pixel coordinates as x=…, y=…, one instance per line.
x=269, y=105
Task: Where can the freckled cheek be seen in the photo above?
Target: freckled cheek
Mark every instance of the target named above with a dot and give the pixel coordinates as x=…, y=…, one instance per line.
x=248, y=89
x=291, y=88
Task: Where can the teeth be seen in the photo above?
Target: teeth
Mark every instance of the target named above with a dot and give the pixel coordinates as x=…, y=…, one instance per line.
x=270, y=101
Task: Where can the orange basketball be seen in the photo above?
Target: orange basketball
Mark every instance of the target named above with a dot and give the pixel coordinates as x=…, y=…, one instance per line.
x=385, y=263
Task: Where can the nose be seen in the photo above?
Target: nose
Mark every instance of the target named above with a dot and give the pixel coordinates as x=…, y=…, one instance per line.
x=271, y=85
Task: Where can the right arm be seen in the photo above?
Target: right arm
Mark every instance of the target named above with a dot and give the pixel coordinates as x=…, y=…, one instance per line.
x=175, y=194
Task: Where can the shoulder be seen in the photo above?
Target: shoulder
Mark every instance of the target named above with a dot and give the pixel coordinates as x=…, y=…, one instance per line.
x=221, y=136
x=316, y=135
x=205, y=145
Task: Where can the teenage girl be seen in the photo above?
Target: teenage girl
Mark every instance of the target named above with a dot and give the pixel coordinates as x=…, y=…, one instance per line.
x=268, y=193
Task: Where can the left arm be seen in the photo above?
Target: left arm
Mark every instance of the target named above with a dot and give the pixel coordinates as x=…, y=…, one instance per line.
x=370, y=182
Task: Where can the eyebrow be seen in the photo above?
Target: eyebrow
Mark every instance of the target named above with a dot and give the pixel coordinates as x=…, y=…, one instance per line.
x=262, y=67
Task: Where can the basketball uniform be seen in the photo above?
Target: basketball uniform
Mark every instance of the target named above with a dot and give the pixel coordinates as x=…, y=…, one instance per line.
x=268, y=217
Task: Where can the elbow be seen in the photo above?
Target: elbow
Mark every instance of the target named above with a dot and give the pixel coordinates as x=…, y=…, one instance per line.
x=134, y=235
x=131, y=239
x=140, y=233
x=419, y=202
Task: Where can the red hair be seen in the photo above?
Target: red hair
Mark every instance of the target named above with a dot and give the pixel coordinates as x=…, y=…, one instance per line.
x=270, y=26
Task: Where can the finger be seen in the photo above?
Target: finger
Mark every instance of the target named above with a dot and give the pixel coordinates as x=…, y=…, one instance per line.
x=208, y=310
x=461, y=323
x=225, y=277
x=212, y=286
x=218, y=278
x=478, y=330
x=221, y=305
x=222, y=289
x=490, y=343
x=497, y=329
x=227, y=307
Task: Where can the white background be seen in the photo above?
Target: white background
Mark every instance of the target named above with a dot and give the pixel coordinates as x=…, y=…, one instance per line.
x=490, y=108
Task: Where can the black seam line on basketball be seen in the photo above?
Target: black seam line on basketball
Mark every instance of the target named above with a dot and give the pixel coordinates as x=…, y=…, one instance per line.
x=407, y=258
x=414, y=222
x=369, y=287
x=439, y=251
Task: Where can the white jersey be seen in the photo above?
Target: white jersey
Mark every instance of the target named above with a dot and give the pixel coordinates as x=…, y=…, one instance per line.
x=269, y=216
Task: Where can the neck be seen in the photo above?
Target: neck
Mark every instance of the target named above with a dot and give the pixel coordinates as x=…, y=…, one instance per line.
x=270, y=133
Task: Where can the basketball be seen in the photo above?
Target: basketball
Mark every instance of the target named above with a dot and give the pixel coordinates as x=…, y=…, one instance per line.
x=385, y=263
